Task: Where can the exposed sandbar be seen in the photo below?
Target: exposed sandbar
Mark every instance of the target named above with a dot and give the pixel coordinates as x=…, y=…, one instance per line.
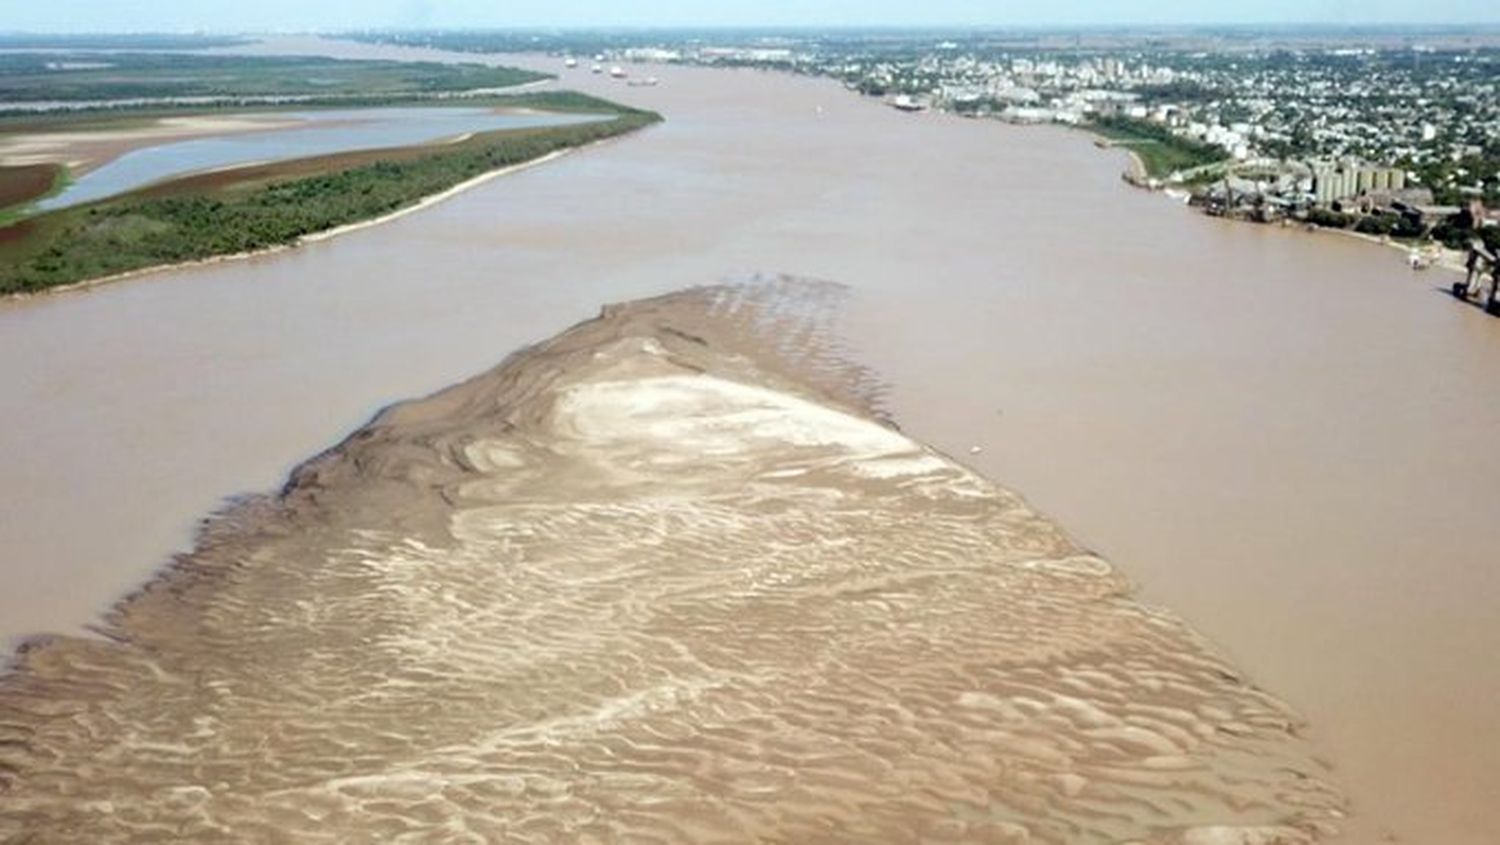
x=665, y=577
x=84, y=149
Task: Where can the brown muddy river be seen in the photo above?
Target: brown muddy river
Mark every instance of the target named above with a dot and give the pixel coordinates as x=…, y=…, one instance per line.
x=1284, y=438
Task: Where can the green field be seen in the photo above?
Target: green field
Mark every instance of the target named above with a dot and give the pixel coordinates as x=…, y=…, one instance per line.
x=257, y=207
x=1159, y=150
x=72, y=76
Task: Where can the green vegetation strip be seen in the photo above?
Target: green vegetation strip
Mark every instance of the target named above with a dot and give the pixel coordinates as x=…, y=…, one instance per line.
x=254, y=208
x=1162, y=152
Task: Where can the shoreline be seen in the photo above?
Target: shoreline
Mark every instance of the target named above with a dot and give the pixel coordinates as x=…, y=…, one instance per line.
x=314, y=237
x=1135, y=175
x=434, y=199
x=1443, y=257
x=1135, y=172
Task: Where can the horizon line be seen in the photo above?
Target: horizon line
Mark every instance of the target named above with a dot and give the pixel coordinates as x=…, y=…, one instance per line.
x=788, y=27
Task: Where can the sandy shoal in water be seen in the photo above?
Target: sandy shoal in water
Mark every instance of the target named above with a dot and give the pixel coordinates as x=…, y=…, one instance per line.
x=661, y=578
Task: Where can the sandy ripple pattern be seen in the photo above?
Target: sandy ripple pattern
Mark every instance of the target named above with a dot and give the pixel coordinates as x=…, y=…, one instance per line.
x=664, y=578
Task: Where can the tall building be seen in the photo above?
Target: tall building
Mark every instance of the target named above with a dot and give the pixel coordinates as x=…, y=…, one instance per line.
x=1323, y=187
x=1334, y=182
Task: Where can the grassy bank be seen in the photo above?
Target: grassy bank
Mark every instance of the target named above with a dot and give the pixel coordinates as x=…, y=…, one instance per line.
x=1160, y=152
x=259, y=207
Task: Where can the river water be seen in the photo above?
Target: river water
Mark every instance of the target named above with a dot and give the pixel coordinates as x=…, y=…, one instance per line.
x=1281, y=436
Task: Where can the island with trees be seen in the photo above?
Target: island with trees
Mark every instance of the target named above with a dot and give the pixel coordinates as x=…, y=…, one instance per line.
x=265, y=206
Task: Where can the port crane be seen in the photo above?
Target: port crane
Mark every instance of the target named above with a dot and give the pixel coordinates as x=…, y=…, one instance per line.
x=1481, y=263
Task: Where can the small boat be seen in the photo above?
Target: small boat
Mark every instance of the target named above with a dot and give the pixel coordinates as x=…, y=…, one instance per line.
x=617, y=72
x=570, y=62
x=597, y=69
x=648, y=82
x=904, y=102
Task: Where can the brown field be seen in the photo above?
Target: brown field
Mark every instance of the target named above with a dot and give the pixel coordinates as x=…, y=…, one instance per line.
x=26, y=182
x=14, y=232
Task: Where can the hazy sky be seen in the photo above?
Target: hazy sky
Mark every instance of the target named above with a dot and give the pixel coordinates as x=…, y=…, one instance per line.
x=179, y=15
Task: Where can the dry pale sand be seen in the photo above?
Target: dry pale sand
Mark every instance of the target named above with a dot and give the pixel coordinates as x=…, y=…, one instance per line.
x=83, y=150
x=86, y=149
x=662, y=578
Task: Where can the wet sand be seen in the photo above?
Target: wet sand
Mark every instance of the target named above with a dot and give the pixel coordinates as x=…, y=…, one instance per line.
x=1280, y=436
x=647, y=582
x=83, y=150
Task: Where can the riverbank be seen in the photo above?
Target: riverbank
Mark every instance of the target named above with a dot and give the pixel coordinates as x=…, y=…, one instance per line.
x=1438, y=256
x=1140, y=174
x=229, y=213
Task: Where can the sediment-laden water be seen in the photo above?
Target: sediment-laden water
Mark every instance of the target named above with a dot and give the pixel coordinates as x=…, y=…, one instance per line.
x=662, y=578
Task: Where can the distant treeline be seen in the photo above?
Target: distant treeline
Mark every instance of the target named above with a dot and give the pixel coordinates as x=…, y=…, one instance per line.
x=69, y=76
x=87, y=117
x=255, y=208
x=580, y=43
x=127, y=41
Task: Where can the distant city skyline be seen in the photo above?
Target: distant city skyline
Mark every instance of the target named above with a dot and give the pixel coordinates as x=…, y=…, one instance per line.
x=300, y=15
